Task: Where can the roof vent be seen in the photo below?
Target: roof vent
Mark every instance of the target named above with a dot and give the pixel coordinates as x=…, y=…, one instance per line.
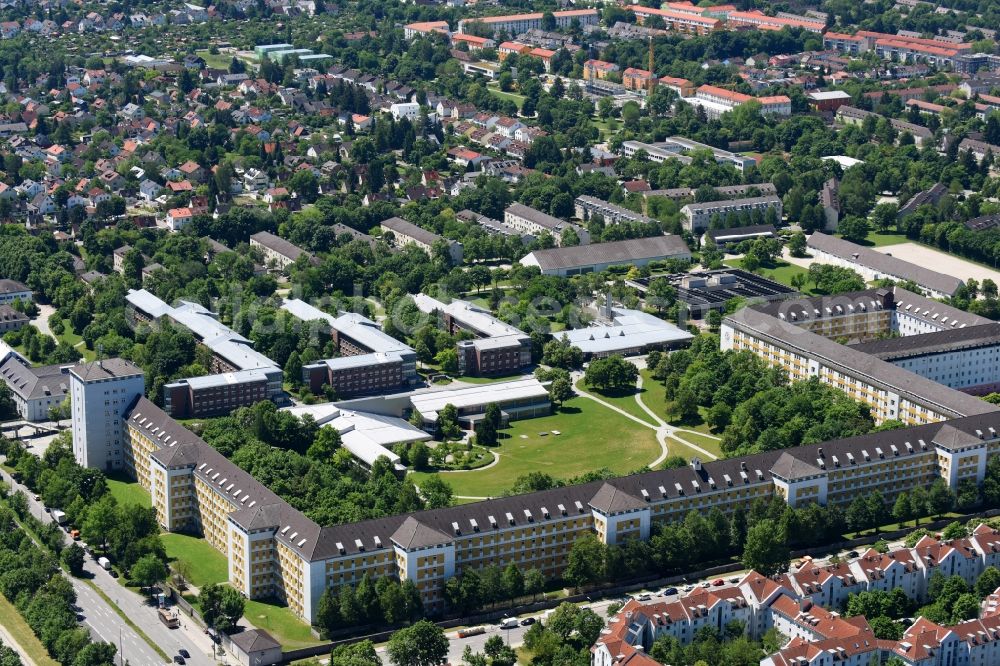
x=562, y=508
x=378, y=541
x=510, y=517
x=340, y=548
x=360, y=546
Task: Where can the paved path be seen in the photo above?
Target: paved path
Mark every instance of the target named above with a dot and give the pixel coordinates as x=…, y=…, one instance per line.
x=12, y=643
x=41, y=322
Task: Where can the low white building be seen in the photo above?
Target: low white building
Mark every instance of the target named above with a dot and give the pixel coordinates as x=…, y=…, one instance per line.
x=630, y=332
x=408, y=110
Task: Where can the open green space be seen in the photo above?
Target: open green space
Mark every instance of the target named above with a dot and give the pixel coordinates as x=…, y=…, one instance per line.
x=592, y=437
x=127, y=491
x=710, y=444
x=17, y=627
x=676, y=447
x=489, y=380
x=654, y=393
x=280, y=622
x=623, y=400
x=206, y=565
x=514, y=97
x=879, y=239
x=216, y=61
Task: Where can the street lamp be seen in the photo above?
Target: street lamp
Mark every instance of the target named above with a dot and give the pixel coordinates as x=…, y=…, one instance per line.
x=121, y=647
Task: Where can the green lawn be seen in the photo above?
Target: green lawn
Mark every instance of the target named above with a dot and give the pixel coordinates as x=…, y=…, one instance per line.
x=710, y=444
x=489, y=380
x=676, y=447
x=217, y=61
x=127, y=491
x=206, y=563
x=624, y=400
x=514, y=97
x=592, y=437
x=278, y=621
x=654, y=393
x=17, y=627
x=878, y=239
x=74, y=340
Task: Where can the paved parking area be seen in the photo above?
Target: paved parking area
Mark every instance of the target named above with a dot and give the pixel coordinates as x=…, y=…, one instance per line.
x=940, y=261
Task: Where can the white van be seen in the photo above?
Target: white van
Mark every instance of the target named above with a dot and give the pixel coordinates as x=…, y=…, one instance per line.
x=508, y=623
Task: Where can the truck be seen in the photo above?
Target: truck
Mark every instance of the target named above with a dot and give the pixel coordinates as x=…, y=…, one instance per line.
x=59, y=516
x=105, y=563
x=168, y=618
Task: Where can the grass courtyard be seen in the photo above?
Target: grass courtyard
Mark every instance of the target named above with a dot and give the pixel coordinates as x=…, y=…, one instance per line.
x=206, y=564
x=514, y=97
x=781, y=271
x=592, y=437
x=623, y=400
x=278, y=621
x=126, y=491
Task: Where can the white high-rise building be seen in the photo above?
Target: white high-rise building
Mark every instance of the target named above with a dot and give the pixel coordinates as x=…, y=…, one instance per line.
x=100, y=394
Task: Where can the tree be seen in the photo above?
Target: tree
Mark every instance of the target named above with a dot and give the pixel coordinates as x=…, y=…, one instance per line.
x=854, y=228
x=326, y=444
x=513, y=581
x=96, y=654
x=797, y=244
x=560, y=390
x=884, y=215
x=661, y=294
x=357, y=654
x=534, y=583
x=586, y=561
x=221, y=606
x=437, y=493
x=448, y=422
x=940, y=499
x=612, y=372
x=987, y=582
x=148, y=571
x=73, y=558
x=488, y=432
x=886, y=629
x=102, y=517
x=901, y=509
x=423, y=644
x=419, y=456
x=765, y=549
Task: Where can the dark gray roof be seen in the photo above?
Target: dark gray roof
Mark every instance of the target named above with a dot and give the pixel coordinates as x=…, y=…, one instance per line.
x=769, y=199
x=610, y=499
x=12, y=287
x=7, y=313
x=885, y=263
x=31, y=383
x=789, y=468
x=536, y=216
x=952, y=438
x=254, y=640
x=107, y=368
x=746, y=232
x=413, y=534
x=401, y=227
x=970, y=337
x=617, y=252
x=909, y=385
x=279, y=245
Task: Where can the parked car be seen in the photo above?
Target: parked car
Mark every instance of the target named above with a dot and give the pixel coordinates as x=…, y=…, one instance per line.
x=645, y=596
x=179, y=659
x=734, y=580
x=853, y=554
x=667, y=591
x=184, y=653
x=718, y=581
x=528, y=621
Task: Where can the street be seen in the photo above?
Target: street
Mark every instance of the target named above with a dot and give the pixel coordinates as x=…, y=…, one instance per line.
x=106, y=624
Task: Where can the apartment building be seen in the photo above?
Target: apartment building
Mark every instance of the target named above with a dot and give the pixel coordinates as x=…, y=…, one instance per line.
x=587, y=207
x=34, y=390
x=675, y=147
x=358, y=338
x=531, y=221
x=101, y=393
x=900, y=48
x=497, y=348
x=515, y=24
x=678, y=21
x=850, y=115
x=598, y=70
x=236, y=367
x=11, y=319
x=873, y=265
x=12, y=290
x=273, y=550
x=277, y=251
x=406, y=233
x=351, y=376
x=800, y=336
x=698, y=216
x=716, y=101
x=761, y=21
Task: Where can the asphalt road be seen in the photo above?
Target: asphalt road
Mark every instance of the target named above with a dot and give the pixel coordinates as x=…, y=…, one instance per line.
x=106, y=624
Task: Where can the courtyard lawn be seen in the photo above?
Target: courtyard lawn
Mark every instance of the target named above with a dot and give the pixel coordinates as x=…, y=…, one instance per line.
x=654, y=393
x=592, y=437
x=127, y=491
x=490, y=380
x=623, y=400
x=280, y=622
x=17, y=627
x=206, y=563
x=676, y=447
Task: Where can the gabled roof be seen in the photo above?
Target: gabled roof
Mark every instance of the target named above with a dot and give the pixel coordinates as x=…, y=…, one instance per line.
x=610, y=500
x=413, y=534
x=790, y=468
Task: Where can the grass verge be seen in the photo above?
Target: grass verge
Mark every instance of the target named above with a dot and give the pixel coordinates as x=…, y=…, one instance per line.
x=206, y=564
x=127, y=492
x=17, y=627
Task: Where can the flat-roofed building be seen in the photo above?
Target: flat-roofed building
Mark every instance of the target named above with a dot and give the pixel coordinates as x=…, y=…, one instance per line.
x=677, y=147
x=725, y=238
x=628, y=333
x=518, y=399
x=699, y=216
x=704, y=291
x=219, y=394
x=497, y=348
x=360, y=374
x=101, y=393
x=599, y=257
x=531, y=221
x=677, y=21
